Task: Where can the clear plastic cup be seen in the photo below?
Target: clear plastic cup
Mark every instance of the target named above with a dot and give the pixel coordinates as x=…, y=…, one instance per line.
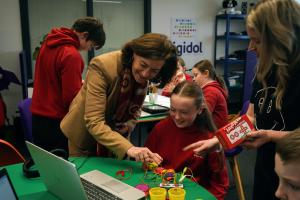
x=176, y=194
x=153, y=92
x=153, y=98
x=158, y=193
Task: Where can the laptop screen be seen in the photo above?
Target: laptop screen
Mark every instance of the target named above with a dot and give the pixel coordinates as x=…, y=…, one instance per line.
x=6, y=189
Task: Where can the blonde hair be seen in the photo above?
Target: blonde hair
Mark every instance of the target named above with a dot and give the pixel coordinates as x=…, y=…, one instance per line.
x=288, y=148
x=278, y=26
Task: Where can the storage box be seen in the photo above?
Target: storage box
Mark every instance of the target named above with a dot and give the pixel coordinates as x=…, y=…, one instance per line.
x=234, y=133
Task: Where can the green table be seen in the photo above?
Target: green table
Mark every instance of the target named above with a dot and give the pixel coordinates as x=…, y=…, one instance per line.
x=35, y=189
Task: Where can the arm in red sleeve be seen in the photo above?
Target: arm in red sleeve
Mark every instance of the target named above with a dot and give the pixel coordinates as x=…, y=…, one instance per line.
x=210, y=99
x=151, y=141
x=71, y=76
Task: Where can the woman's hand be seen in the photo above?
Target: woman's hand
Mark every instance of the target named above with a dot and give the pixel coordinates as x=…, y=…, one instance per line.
x=144, y=155
x=203, y=146
x=256, y=139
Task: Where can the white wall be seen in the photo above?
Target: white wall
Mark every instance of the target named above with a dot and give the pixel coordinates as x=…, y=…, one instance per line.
x=11, y=45
x=162, y=12
x=204, y=10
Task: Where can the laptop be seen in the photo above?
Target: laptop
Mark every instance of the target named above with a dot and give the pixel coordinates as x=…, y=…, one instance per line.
x=7, y=190
x=62, y=180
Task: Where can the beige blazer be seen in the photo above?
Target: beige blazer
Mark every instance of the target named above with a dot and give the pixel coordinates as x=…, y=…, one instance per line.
x=89, y=119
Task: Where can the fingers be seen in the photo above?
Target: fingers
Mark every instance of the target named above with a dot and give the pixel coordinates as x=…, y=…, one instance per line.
x=189, y=147
x=255, y=134
x=142, y=155
x=145, y=155
x=248, y=145
x=192, y=146
x=200, y=149
x=153, y=157
x=156, y=158
x=251, y=143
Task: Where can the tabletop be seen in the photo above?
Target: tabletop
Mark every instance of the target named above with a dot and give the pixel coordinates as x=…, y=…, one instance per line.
x=148, y=117
x=35, y=189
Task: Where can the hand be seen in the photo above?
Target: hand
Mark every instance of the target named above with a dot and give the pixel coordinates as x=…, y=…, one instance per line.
x=256, y=139
x=144, y=155
x=203, y=146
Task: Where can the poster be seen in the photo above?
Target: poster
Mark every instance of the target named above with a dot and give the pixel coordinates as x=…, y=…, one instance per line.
x=185, y=36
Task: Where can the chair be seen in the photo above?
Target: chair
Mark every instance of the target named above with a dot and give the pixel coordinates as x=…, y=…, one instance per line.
x=251, y=61
x=25, y=61
x=9, y=154
x=231, y=155
x=26, y=118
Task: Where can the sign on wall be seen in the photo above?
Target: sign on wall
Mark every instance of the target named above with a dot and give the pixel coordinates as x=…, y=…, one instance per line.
x=185, y=36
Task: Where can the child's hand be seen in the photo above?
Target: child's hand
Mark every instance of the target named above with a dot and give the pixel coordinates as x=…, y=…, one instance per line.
x=202, y=147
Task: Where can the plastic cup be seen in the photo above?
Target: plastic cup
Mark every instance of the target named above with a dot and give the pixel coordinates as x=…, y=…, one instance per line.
x=158, y=193
x=153, y=92
x=176, y=194
x=152, y=98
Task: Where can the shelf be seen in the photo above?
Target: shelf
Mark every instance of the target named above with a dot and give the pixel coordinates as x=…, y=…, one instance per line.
x=230, y=61
x=229, y=64
x=231, y=16
x=233, y=37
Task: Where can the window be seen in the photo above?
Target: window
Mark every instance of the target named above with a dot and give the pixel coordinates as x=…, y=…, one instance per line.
x=123, y=20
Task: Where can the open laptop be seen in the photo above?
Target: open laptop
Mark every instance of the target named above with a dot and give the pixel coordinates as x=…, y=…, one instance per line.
x=7, y=190
x=62, y=180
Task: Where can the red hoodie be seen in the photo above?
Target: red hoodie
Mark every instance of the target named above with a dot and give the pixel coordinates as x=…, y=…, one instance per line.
x=215, y=97
x=57, y=77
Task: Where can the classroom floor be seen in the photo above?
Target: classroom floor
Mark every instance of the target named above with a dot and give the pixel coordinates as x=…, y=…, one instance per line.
x=246, y=160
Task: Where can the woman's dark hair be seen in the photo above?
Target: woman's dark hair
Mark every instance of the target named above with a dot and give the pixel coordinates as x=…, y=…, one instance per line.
x=204, y=65
x=153, y=46
x=94, y=27
x=192, y=90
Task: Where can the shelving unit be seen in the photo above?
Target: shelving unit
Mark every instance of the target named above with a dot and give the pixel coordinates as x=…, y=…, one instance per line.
x=228, y=63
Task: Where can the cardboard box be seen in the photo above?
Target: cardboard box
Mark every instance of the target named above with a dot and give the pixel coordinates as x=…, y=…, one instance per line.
x=233, y=134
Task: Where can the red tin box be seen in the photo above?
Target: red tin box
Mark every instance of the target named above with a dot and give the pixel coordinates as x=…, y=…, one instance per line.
x=233, y=134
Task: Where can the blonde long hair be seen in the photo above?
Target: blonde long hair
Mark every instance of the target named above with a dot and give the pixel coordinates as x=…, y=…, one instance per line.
x=278, y=25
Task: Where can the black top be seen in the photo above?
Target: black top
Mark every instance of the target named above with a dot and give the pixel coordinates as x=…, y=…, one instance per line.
x=288, y=118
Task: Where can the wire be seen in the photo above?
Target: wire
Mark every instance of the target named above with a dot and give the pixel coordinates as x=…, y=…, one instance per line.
x=121, y=174
x=81, y=164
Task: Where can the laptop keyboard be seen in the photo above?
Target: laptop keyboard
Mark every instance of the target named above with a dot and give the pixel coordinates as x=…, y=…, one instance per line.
x=94, y=192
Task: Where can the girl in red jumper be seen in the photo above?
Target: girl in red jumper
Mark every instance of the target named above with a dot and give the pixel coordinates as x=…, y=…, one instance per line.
x=189, y=121
x=215, y=94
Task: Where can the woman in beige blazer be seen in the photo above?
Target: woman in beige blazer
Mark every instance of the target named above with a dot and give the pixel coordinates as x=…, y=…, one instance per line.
x=107, y=106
